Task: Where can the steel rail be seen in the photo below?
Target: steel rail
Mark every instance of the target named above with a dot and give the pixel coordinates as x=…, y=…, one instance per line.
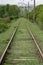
x=8, y=45
x=36, y=43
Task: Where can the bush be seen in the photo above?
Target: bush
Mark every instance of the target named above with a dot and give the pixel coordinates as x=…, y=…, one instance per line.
x=3, y=27
x=11, y=17
x=3, y=24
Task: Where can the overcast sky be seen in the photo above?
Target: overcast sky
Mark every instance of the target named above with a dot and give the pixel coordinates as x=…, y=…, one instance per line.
x=16, y=1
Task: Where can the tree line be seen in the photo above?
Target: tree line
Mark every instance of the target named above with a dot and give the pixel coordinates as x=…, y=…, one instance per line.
x=38, y=15
x=7, y=13
x=10, y=11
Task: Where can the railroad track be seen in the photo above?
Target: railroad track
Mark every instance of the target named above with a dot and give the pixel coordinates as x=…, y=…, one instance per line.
x=22, y=50
x=8, y=45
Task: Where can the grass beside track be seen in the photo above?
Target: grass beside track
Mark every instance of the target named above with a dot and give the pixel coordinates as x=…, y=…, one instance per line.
x=5, y=36
x=23, y=50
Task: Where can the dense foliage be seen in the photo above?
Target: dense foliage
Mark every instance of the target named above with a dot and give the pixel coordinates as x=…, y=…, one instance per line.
x=7, y=13
x=39, y=15
x=11, y=11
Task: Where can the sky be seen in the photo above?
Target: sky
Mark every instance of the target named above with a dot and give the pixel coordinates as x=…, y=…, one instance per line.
x=18, y=1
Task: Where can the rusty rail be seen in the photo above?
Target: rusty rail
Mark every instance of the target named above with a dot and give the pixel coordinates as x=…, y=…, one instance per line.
x=36, y=44
x=8, y=45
